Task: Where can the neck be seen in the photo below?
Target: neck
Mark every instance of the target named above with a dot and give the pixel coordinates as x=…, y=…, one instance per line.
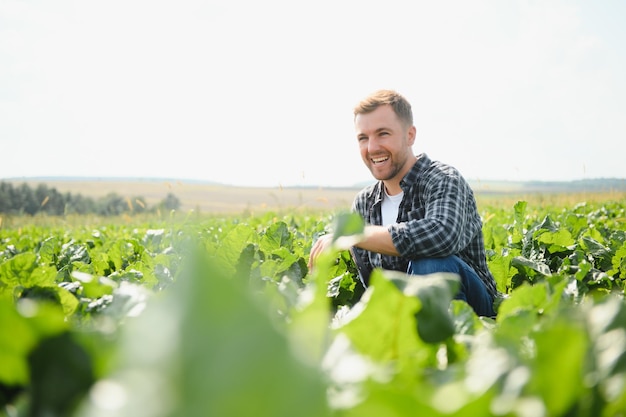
x=392, y=187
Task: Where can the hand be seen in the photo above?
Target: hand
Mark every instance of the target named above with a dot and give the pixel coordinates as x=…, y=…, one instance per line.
x=320, y=245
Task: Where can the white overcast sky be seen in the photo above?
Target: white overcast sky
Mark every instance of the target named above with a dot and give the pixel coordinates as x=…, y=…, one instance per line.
x=261, y=92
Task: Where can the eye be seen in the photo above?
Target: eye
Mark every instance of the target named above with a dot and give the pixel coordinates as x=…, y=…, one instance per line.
x=361, y=138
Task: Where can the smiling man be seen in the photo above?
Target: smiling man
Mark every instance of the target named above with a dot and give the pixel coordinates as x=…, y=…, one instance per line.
x=420, y=215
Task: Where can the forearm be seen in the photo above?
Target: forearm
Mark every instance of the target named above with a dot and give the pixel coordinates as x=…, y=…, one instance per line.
x=378, y=239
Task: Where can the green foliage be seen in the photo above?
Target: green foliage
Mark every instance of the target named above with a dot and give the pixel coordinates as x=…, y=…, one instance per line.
x=585, y=243
x=222, y=316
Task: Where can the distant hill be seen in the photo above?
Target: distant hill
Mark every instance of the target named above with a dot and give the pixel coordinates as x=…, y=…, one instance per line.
x=55, y=179
x=586, y=185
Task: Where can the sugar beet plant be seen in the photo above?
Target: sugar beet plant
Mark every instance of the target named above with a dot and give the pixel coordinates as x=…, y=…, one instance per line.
x=221, y=317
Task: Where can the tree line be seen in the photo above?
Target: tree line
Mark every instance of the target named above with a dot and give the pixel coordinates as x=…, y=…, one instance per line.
x=23, y=199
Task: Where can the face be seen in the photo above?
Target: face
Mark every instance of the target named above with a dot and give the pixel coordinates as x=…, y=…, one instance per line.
x=385, y=144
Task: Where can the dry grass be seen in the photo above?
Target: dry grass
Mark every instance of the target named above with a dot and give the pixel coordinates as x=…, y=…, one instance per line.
x=540, y=200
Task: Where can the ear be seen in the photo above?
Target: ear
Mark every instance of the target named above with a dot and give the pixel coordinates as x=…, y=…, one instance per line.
x=410, y=134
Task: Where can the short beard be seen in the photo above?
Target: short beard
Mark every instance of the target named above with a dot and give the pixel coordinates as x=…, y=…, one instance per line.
x=395, y=171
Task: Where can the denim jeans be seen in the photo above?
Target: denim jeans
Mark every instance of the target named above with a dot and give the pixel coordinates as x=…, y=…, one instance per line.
x=472, y=291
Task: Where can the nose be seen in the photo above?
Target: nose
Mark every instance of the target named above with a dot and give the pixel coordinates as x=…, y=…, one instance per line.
x=373, y=145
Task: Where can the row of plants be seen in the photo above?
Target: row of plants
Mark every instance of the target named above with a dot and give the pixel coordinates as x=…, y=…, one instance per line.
x=221, y=316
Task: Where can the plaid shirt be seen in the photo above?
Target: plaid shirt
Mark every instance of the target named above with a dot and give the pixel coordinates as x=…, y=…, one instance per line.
x=437, y=217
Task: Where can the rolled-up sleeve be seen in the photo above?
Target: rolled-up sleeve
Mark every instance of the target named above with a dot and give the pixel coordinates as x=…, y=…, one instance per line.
x=442, y=227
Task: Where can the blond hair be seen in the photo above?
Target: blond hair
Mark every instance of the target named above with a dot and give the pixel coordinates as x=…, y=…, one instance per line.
x=399, y=104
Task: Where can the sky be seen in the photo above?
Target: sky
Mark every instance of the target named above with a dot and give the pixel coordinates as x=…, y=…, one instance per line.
x=261, y=93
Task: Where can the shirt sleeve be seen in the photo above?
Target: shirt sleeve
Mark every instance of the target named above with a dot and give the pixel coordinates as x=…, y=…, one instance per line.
x=360, y=256
x=442, y=226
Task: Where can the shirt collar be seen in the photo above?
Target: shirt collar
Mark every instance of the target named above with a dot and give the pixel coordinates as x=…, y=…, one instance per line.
x=422, y=163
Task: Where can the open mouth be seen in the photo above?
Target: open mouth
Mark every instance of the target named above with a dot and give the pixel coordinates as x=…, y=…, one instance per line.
x=379, y=160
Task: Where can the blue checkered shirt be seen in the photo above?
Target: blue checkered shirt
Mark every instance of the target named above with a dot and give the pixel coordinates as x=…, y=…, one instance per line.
x=437, y=217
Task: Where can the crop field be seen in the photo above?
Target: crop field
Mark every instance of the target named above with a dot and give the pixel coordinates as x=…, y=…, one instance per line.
x=201, y=313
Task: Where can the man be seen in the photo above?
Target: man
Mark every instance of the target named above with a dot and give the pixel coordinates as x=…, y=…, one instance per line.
x=421, y=215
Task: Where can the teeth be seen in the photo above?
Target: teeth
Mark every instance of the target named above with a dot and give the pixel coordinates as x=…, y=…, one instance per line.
x=380, y=159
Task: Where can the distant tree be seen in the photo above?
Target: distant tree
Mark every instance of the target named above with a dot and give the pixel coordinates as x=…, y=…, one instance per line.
x=78, y=204
x=138, y=204
x=6, y=190
x=111, y=205
x=25, y=198
x=50, y=200
x=42, y=195
x=170, y=202
x=44, y=199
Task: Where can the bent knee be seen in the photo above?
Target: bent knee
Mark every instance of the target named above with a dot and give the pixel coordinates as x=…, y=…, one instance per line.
x=425, y=266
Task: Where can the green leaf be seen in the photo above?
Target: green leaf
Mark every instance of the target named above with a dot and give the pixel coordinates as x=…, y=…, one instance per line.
x=500, y=267
x=520, y=212
x=73, y=252
x=23, y=325
x=231, y=246
x=618, y=261
x=341, y=288
x=557, y=373
x=17, y=338
x=102, y=263
x=271, y=268
x=275, y=237
x=18, y=269
x=47, y=319
x=435, y=292
x=531, y=268
x=42, y=275
x=94, y=287
x=56, y=359
x=558, y=241
x=382, y=324
x=576, y=223
x=465, y=319
x=347, y=230
x=309, y=327
x=208, y=348
x=593, y=247
x=113, y=260
x=524, y=298
x=49, y=249
x=286, y=256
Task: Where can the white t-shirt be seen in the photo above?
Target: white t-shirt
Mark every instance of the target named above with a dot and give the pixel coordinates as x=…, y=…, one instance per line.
x=389, y=207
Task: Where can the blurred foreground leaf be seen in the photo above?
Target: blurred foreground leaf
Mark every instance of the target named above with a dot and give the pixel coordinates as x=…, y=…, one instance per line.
x=207, y=349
